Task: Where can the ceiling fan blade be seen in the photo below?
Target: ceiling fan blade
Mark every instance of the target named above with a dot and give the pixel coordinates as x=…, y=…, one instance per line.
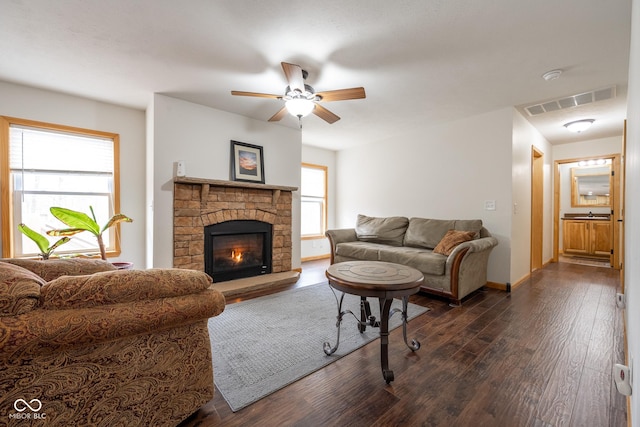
x=259, y=95
x=325, y=114
x=279, y=115
x=294, y=76
x=342, y=94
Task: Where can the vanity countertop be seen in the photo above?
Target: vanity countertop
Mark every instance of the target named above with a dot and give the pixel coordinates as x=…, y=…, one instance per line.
x=586, y=216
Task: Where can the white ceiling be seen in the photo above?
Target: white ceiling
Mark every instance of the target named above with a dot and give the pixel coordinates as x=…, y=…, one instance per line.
x=419, y=61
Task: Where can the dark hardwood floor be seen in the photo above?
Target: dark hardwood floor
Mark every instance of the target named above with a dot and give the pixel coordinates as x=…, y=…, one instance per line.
x=539, y=356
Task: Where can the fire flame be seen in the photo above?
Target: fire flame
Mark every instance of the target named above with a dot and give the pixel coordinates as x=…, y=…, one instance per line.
x=236, y=256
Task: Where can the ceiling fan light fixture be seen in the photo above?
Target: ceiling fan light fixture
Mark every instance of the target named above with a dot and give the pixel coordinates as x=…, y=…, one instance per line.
x=301, y=99
x=579, y=125
x=299, y=107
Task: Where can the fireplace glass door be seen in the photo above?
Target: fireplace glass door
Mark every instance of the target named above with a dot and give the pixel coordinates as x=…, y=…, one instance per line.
x=237, y=249
x=234, y=251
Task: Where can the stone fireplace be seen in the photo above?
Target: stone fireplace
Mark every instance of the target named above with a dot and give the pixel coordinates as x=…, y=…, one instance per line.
x=201, y=204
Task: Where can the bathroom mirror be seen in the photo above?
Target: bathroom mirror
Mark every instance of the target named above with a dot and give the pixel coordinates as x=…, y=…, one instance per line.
x=591, y=186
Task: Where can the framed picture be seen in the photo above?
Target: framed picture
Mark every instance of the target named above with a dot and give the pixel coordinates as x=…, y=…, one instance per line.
x=247, y=163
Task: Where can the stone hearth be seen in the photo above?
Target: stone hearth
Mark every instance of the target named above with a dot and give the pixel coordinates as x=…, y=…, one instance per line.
x=200, y=202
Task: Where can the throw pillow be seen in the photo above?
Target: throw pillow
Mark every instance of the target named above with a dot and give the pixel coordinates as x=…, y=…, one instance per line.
x=19, y=290
x=452, y=239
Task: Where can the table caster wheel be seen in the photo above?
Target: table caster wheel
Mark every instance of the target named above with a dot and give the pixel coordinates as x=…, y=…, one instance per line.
x=388, y=375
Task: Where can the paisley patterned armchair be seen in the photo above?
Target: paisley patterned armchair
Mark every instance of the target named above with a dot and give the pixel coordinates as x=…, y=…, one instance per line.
x=82, y=343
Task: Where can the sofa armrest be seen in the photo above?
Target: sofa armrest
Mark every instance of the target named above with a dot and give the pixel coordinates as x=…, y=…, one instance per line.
x=43, y=331
x=340, y=236
x=467, y=265
x=476, y=245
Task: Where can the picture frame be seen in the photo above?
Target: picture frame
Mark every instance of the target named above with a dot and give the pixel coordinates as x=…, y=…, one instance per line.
x=247, y=162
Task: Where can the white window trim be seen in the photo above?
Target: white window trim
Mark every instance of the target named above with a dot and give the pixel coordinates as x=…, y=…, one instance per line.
x=326, y=202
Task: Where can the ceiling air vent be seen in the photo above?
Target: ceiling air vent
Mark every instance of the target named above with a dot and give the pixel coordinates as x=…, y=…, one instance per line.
x=572, y=101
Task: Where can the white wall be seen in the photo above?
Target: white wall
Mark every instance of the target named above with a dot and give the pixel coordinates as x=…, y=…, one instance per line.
x=318, y=156
x=54, y=107
x=632, y=222
x=443, y=171
x=525, y=136
x=590, y=148
x=201, y=137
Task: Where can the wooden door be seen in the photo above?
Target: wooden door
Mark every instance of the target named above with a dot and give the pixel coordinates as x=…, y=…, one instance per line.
x=576, y=237
x=601, y=238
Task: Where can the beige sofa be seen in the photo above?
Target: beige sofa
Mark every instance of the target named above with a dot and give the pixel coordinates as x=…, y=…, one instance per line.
x=85, y=344
x=452, y=254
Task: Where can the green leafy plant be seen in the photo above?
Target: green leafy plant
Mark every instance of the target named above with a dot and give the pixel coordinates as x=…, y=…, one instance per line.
x=79, y=222
x=46, y=249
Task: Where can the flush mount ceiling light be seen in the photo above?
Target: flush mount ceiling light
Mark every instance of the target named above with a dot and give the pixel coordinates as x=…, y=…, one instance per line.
x=579, y=125
x=552, y=75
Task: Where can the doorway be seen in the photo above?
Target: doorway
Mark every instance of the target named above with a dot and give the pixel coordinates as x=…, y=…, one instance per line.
x=563, y=185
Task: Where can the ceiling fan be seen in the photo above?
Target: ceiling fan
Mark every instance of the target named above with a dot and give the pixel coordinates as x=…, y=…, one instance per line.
x=301, y=99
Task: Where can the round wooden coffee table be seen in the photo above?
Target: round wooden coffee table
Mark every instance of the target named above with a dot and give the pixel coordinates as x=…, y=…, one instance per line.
x=382, y=280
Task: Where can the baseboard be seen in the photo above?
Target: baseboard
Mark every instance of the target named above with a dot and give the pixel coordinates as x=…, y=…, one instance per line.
x=315, y=258
x=521, y=281
x=499, y=286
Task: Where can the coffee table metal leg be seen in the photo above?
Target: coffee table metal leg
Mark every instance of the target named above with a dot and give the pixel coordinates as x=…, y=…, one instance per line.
x=385, y=306
x=415, y=344
x=328, y=350
x=365, y=312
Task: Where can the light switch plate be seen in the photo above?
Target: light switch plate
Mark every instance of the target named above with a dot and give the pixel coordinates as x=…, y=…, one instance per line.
x=181, y=169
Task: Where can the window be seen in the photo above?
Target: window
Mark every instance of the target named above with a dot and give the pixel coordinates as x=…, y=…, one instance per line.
x=313, y=194
x=45, y=165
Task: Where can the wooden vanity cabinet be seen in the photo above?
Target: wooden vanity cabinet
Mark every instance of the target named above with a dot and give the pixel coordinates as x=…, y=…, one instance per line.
x=587, y=237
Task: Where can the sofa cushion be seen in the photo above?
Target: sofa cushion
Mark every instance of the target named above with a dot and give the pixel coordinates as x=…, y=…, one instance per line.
x=53, y=268
x=360, y=250
x=122, y=286
x=474, y=225
x=452, y=239
x=421, y=259
x=389, y=231
x=426, y=233
x=19, y=289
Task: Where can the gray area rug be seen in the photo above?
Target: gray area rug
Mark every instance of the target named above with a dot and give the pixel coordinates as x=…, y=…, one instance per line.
x=262, y=345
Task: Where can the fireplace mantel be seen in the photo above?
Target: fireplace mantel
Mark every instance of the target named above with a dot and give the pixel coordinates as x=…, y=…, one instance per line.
x=206, y=183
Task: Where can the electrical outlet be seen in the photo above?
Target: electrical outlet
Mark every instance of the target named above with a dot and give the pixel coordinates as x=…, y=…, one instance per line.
x=620, y=300
x=622, y=378
x=489, y=205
